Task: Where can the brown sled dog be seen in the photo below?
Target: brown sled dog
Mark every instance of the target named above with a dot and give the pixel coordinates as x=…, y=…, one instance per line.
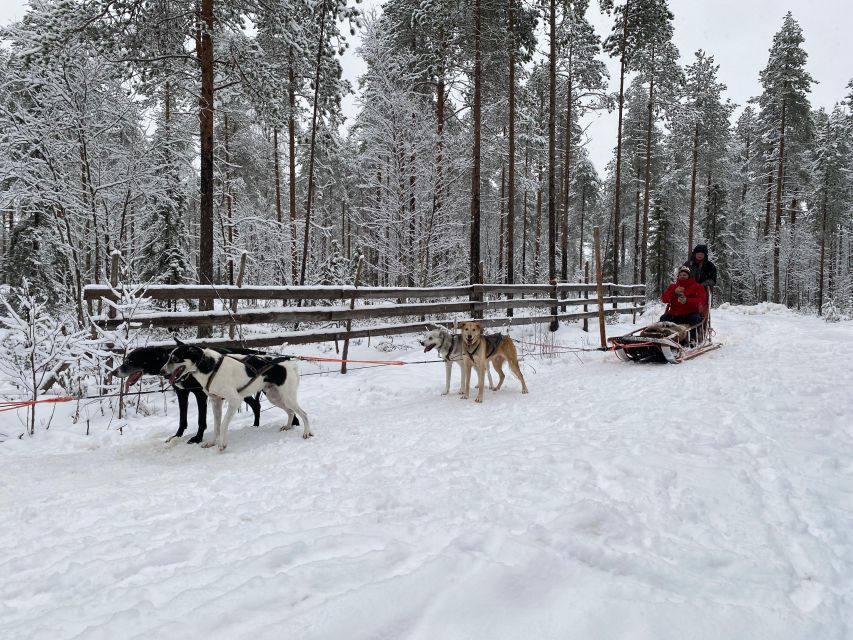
x=480, y=350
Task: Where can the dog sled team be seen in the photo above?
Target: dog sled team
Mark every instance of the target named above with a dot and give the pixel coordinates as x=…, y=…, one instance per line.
x=241, y=375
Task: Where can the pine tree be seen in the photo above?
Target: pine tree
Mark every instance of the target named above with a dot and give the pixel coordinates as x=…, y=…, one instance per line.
x=832, y=160
x=708, y=114
x=784, y=108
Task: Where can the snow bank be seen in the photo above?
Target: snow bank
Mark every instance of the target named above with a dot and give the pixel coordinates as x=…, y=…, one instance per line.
x=760, y=309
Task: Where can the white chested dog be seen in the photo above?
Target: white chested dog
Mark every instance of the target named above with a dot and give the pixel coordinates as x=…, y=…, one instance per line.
x=481, y=349
x=449, y=348
x=231, y=377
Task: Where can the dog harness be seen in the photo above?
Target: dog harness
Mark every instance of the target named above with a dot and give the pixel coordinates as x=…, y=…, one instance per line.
x=493, y=341
x=257, y=372
x=213, y=373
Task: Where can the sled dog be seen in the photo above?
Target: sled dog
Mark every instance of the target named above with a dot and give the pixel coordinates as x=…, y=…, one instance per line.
x=449, y=348
x=148, y=361
x=480, y=350
x=231, y=377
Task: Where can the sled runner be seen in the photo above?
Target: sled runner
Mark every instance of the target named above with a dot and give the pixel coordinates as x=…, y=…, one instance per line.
x=666, y=342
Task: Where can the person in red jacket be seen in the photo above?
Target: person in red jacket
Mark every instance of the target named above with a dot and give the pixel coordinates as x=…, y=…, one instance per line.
x=686, y=299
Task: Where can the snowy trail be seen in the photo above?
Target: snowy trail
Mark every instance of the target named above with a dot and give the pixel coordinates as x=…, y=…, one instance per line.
x=711, y=499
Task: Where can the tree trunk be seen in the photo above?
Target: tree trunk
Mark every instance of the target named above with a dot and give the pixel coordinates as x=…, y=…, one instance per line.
x=777, y=235
x=412, y=210
x=537, y=239
x=617, y=186
x=291, y=146
x=583, y=211
x=277, y=175
x=524, y=214
x=822, y=247
x=567, y=176
x=510, y=222
x=311, y=153
x=648, y=178
x=204, y=45
x=230, y=204
x=502, y=226
x=769, y=200
x=552, y=143
x=475, y=171
x=745, y=185
x=691, y=223
x=637, y=237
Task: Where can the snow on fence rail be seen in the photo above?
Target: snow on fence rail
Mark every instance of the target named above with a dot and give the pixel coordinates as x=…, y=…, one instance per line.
x=552, y=296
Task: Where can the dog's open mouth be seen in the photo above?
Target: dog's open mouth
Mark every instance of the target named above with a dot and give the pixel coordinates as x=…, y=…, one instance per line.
x=429, y=347
x=132, y=379
x=177, y=374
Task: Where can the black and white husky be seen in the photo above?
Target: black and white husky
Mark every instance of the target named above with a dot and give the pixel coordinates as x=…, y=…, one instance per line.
x=450, y=349
x=232, y=377
x=150, y=360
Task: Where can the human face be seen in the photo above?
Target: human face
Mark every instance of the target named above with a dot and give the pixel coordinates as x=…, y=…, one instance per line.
x=699, y=256
x=683, y=275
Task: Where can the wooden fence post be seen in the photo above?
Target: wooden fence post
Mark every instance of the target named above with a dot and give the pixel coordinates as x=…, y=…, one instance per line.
x=115, y=256
x=478, y=296
x=554, y=324
x=586, y=294
x=599, y=290
x=349, y=322
x=239, y=283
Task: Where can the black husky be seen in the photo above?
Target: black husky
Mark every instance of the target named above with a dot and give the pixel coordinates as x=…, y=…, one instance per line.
x=150, y=360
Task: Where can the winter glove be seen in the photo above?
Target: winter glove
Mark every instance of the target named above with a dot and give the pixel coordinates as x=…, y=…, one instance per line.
x=682, y=298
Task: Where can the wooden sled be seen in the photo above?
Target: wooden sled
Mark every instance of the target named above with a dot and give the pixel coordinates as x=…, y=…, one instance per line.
x=666, y=342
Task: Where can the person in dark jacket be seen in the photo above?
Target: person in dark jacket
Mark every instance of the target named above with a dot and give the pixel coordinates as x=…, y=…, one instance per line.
x=686, y=299
x=702, y=270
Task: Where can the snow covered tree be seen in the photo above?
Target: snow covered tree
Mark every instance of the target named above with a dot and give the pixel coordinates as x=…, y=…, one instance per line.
x=785, y=113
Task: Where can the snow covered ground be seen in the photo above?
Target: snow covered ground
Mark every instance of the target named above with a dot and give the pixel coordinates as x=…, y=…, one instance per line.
x=711, y=499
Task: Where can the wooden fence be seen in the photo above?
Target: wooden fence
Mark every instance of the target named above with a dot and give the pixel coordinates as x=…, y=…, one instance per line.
x=434, y=304
x=481, y=302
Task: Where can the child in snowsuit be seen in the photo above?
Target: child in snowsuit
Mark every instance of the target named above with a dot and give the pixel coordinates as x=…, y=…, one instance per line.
x=686, y=299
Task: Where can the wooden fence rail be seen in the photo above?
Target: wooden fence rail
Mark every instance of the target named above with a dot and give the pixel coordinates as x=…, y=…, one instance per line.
x=94, y=292
x=337, y=313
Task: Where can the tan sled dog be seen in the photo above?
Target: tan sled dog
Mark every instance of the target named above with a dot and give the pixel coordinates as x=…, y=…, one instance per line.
x=480, y=350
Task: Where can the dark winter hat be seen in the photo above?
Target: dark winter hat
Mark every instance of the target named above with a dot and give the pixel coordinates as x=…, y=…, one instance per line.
x=701, y=247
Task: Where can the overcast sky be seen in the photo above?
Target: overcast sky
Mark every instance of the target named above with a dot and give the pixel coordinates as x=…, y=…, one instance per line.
x=738, y=33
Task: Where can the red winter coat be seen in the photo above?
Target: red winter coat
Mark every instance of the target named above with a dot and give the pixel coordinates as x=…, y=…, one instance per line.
x=693, y=291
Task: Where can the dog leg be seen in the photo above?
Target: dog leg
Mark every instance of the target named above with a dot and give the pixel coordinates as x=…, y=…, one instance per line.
x=183, y=397
x=291, y=406
x=233, y=405
x=217, y=421
x=448, y=366
x=498, y=363
x=306, y=430
x=461, y=364
x=489, y=374
x=466, y=379
x=291, y=415
x=255, y=404
x=480, y=379
x=516, y=371
x=201, y=403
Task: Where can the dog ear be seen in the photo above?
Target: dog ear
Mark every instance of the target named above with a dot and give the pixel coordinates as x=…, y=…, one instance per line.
x=178, y=342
